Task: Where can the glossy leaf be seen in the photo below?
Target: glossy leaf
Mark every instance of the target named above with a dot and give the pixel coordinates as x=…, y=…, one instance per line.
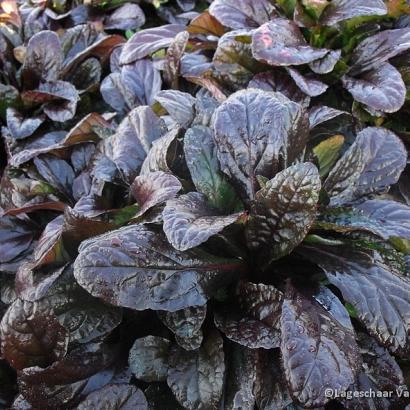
x=340, y=10
x=246, y=331
x=243, y=13
x=142, y=80
x=31, y=335
x=373, y=162
x=127, y=17
x=201, y=158
x=133, y=139
x=318, y=352
x=279, y=81
x=115, y=397
x=183, y=279
x=327, y=63
x=379, y=48
x=148, y=41
x=179, y=105
x=322, y=113
x=196, y=378
x=233, y=58
x=309, y=86
x=21, y=127
x=280, y=43
x=189, y=221
x=284, y=211
x=43, y=60
x=206, y=24
x=158, y=156
x=380, y=89
x=255, y=133
x=15, y=237
x=186, y=324
x=153, y=189
x=148, y=358
x=378, y=293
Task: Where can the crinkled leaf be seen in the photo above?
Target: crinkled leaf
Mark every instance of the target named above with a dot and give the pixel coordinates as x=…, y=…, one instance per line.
x=196, y=378
x=377, y=49
x=379, y=295
x=308, y=85
x=186, y=324
x=280, y=43
x=190, y=221
x=256, y=133
x=247, y=331
x=201, y=158
x=15, y=237
x=127, y=17
x=154, y=188
x=381, y=89
x=112, y=265
x=31, y=335
x=380, y=372
x=322, y=113
x=262, y=302
x=115, y=397
x=339, y=10
x=133, y=139
x=284, y=211
x=62, y=383
x=242, y=13
x=179, y=105
x=21, y=127
x=148, y=41
x=318, y=352
x=373, y=162
x=148, y=358
x=43, y=60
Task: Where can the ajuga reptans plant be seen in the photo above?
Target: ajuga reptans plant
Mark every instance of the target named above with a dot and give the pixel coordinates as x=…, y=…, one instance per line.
x=204, y=205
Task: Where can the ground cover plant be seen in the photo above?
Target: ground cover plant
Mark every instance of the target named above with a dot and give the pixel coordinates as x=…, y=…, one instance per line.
x=204, y=205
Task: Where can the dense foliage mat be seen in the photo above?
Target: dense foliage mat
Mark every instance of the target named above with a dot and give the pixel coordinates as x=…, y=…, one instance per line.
x=204, y=205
